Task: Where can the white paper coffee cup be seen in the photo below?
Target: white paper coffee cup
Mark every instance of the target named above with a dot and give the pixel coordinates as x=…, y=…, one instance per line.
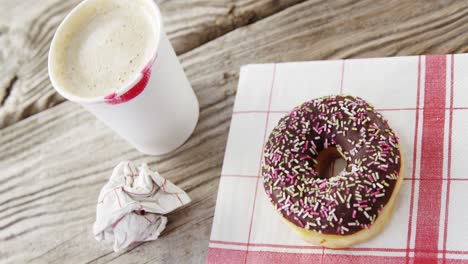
x=157, y=111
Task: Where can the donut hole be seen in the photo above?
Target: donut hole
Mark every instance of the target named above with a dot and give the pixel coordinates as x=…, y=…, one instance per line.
x=329, y=163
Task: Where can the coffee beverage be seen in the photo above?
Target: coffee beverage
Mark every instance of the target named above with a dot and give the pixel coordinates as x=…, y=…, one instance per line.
x=113, y=57
x=103, y=47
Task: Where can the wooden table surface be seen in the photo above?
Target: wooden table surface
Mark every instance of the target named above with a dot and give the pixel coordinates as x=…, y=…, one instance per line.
x=55, y=156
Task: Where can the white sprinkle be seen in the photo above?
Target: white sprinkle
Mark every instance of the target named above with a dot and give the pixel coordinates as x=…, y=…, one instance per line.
x=367, y=216
x=341, y=198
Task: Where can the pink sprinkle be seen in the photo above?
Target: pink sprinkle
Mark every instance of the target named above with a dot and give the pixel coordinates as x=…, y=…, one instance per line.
x=306, y=146
x=277, y=157
x=313, y=144
x=299, y=221
x=354, y=214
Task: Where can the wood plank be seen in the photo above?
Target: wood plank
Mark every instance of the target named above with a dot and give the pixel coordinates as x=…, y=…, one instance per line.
x=49, y=207
x=26, y=29
x=54, y=163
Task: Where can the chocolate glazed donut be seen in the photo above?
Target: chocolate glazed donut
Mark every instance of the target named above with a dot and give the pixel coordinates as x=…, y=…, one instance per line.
x=346, y=208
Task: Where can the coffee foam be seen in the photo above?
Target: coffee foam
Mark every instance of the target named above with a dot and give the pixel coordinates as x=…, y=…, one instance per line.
x=103, y=46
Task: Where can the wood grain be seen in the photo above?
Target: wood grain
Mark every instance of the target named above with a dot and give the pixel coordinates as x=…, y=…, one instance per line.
x=27, y=27
x=54, y=163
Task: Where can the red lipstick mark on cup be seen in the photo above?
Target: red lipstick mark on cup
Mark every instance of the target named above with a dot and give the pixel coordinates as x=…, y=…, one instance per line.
x=133, y=92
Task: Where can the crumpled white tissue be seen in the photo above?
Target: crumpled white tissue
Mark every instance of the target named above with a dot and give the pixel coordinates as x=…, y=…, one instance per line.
x=131, y=205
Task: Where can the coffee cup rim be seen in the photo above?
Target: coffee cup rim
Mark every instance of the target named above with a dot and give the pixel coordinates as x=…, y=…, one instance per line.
x=122, y=90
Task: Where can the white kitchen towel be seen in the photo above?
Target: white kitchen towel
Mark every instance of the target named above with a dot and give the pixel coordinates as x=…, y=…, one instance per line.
x=131, y=205
x=425, y=100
